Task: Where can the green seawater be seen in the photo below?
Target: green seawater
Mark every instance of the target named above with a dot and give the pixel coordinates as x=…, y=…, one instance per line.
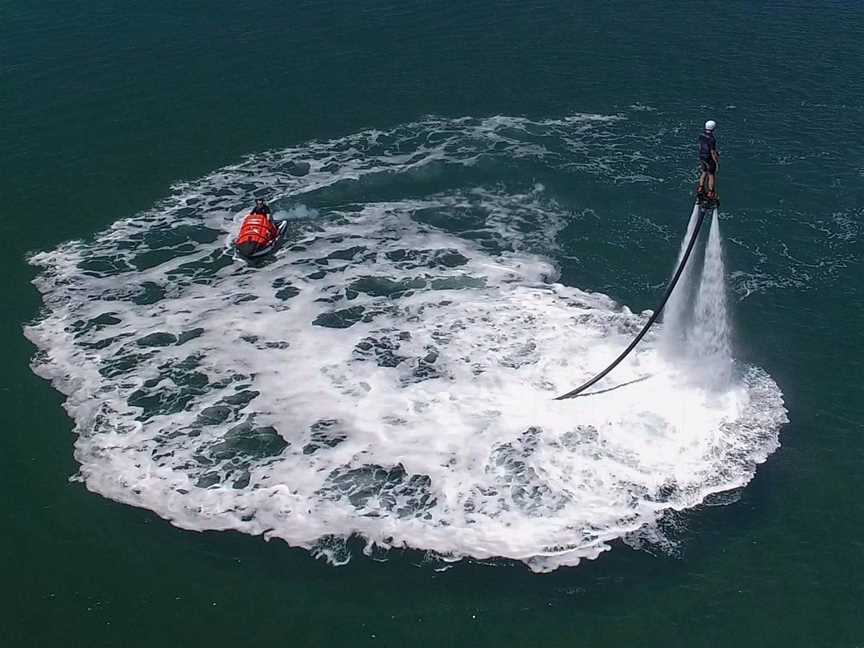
x=105, y=106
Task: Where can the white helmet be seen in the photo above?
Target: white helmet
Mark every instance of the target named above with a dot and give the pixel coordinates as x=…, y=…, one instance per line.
x=710, y=125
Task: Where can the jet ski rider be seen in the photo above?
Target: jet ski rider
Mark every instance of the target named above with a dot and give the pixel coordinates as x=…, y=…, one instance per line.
x=263, y=209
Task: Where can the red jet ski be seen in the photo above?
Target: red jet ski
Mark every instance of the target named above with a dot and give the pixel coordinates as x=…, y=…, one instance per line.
x=258, y=236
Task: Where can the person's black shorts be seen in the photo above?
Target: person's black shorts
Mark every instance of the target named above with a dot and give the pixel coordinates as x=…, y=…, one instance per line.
x=708, y=166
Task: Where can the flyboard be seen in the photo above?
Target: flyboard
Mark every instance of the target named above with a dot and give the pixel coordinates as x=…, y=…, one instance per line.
x=706, y=206
x=256, y=252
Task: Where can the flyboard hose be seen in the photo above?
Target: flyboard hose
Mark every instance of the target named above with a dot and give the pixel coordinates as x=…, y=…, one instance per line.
x=651, y=319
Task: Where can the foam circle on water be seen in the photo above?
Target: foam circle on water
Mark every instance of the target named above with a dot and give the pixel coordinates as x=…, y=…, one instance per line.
x=390, y=372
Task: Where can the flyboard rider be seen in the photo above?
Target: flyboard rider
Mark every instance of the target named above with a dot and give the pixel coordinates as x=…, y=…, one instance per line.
x=709, y=159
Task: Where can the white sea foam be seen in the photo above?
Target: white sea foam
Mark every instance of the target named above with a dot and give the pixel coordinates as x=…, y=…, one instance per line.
x=390, y=372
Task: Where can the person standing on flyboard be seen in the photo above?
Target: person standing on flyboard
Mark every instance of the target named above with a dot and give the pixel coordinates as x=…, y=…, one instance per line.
x=709, y=159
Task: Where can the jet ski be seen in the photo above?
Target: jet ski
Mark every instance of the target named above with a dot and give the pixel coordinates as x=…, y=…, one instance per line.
x=259, y=236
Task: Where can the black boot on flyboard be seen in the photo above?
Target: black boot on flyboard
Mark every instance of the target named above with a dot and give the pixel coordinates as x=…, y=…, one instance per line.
x=707, y=200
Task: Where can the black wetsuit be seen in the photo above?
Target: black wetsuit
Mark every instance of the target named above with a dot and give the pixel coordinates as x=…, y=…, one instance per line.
x=707, y=146
x=262, y=209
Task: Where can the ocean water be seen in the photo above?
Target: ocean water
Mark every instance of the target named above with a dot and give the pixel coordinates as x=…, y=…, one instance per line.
x=356, y=440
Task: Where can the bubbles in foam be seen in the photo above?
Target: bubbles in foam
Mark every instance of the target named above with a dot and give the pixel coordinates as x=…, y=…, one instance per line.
x=388, y=373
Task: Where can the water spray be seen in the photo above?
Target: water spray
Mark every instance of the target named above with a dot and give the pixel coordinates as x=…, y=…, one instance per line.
x=700, y=218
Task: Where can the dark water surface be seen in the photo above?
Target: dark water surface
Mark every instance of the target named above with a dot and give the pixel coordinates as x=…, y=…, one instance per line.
x=104, y=106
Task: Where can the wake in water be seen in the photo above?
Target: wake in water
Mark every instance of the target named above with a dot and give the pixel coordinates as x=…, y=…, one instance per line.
x=390, y=372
